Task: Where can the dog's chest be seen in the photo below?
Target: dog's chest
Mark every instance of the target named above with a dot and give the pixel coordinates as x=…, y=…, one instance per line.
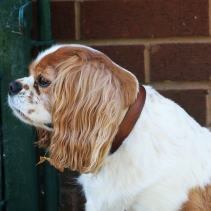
x=109, y=196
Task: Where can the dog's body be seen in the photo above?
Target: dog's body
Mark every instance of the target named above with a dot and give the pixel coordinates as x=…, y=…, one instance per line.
x=163, y=165
x=166, y=155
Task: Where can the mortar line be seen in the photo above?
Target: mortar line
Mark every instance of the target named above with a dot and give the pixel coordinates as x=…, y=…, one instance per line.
x=147, y=63
x=142, y=41
x=77, y=5
x=181, y=85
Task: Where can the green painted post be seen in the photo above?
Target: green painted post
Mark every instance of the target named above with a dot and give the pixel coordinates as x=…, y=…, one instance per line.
x=21, y=192
x=50, y=177
x=1, y=163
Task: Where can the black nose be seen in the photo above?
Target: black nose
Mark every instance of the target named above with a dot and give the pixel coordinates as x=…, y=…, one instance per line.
x=14, y=88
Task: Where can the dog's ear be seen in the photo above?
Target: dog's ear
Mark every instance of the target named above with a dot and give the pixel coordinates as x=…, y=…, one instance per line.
x=90, y=94
x=43, y=138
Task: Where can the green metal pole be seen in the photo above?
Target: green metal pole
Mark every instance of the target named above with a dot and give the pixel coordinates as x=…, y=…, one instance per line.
x=21, y=192
x=44, y=20
x=2, y=191
x=50, y=177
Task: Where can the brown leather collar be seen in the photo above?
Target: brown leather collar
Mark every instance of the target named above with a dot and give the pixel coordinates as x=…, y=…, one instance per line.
x=129, y=120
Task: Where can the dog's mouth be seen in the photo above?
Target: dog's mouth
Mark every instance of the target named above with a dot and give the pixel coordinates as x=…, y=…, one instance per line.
x=49, y=125
x=22, y=116
x=26, y=119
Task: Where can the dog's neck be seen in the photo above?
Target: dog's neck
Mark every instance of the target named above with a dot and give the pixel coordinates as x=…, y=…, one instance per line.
x=129, y=120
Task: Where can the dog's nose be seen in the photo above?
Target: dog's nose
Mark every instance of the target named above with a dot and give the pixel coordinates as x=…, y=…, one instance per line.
x=14, y=88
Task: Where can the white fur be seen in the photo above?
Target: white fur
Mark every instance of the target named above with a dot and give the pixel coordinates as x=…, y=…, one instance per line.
x=165, y=155
x=46, y=52
x=21, y=103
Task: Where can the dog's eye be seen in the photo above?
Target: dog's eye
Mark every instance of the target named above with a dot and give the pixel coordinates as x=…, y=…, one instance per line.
x=43, y=82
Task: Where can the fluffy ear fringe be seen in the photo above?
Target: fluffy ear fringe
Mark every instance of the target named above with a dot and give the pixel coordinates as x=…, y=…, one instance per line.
x=89, y=97
x=44, y=138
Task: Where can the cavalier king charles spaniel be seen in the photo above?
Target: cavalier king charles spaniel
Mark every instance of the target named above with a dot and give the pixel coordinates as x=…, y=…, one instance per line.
x=135, y=149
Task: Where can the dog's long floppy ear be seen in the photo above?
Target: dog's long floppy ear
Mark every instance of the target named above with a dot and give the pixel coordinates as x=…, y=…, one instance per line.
x=43, y=138
x=90, y=94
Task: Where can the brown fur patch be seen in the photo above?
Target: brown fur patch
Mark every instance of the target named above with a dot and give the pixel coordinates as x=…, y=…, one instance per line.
x=87, y=94
x=31, y=111
x=37, y=88
x=26, y=86
x=49, y=65
x=198, y=199
x=44, y=138
x=30, y=99
x=91, y=86
x=24, y=116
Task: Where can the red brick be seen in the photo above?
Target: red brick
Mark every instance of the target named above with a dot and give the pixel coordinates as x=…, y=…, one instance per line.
x=146, y=18
x=35, y=26
x=193, y=101
x=181, y=62
x=35, y=49
x=128, y=57
x=63, y=20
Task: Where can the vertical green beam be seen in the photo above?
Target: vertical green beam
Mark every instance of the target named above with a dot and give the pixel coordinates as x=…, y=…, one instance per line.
x=50, y=178
x=44, y=20
x=1, y=163
x=21, y=190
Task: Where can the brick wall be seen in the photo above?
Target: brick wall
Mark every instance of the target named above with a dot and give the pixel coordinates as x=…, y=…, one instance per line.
x=165, y=43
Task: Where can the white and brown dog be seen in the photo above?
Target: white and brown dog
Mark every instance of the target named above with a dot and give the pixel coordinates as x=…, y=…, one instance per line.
x=135, y=149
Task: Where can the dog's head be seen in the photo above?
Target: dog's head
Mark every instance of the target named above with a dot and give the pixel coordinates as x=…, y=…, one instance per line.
x=76, y=97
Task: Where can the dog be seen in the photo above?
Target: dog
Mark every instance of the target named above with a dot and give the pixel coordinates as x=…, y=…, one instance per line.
x=135, y=149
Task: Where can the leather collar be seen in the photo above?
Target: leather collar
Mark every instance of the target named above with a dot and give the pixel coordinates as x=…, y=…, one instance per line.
x=129, y=120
